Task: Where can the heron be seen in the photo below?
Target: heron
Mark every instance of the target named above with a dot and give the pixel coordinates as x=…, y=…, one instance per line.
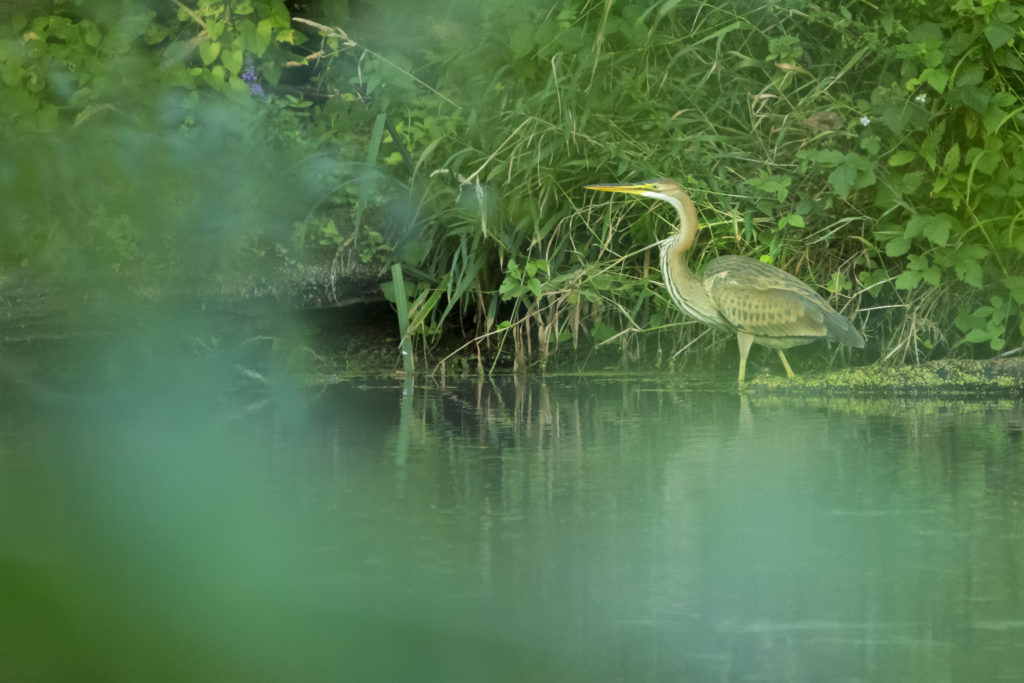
x=754, y=300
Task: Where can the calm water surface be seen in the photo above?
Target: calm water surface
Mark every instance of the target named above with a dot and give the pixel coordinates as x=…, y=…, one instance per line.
x=567, y=530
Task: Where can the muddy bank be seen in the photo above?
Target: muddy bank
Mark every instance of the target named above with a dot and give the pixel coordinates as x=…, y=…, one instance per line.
x=359, y=335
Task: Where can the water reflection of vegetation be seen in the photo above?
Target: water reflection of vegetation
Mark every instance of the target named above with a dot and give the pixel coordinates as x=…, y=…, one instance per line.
x=507, y=530
x=873, y=524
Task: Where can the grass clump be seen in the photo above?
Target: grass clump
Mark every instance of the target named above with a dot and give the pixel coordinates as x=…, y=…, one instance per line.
x=872, y=151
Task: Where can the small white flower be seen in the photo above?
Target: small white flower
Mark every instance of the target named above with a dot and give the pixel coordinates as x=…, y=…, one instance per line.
x=864, y=120
x=922, y=98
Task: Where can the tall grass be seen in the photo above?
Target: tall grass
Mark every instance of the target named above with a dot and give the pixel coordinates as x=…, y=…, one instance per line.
x=872, y=151
x=606, y=93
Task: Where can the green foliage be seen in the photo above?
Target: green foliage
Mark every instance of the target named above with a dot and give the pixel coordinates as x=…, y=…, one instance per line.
x=950, y=103
x=875, y=151
x=519, y=282
x=83, y=59
x=140, y=151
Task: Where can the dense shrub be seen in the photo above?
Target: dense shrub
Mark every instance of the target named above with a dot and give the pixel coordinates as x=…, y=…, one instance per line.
x=873, y=151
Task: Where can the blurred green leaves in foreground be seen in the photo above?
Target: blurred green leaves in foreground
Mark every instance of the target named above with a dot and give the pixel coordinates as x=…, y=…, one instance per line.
x=152, y=207
x=126, y=170
x=165, y=530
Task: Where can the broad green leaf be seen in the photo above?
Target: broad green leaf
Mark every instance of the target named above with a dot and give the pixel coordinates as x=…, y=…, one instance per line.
x=911, y=181
x=917, y=262
x=521, y=40
x=290, y=36
x=924, y=33
x=959, y=42
x=888, y=20
x=264, y=35
x=843, y=178
x=931, y=143
x=975, y=97
x=232, y=60
x=974, y=252
x=940, y=184
x=838, y=283
x=123, y=33
x=825, y=157
x=895, y=116
x=902, y=157
x=156, y=33
x=1015, y=283
x=871, y=144
x=987, y=162
x=968, y=271
x=937, y=229
x=215, y=29
x=993, y=117
x=999, y=35
x=908, y=279
x=509, y=289
x=208, y=52
x=897, y=247
x=932, y=275
x=936, y=78
x=970, y=74
x=602, y=331
x=865, y=178
x=915, y=226
x=533, y=284
x=977, y=335
x=952, y=158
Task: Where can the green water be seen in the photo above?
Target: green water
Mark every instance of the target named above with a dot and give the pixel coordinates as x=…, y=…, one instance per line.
x=567, y=530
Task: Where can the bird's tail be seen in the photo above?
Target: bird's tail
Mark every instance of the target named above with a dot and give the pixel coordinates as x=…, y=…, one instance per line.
x=842, y=330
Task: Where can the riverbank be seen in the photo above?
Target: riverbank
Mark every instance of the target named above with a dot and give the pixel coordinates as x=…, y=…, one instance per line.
x=362, y=338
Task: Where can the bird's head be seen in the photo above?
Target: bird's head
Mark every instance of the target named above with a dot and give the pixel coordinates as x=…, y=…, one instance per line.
x=661, y=188
x=667, y=191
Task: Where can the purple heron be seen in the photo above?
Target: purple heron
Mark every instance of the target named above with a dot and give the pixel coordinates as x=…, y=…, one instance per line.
x=756, y=301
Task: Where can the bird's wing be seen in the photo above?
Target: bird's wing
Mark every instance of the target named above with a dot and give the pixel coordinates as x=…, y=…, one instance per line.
x=765, y=301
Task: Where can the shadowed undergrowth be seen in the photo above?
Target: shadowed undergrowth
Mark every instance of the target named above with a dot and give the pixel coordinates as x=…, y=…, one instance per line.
x=871, y=151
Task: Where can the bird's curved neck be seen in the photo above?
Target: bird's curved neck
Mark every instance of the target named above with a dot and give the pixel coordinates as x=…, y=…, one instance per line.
x=685, y=288
x=674, y=249
x=687, y=221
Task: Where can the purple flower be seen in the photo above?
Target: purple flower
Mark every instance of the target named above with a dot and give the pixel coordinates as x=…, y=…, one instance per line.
x=249, y=76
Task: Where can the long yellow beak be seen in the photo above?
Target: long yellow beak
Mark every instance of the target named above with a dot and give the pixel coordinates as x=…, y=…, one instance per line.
x=628, y=188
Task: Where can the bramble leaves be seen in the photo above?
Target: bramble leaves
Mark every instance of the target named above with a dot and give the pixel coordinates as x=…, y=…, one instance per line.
x=902, y=157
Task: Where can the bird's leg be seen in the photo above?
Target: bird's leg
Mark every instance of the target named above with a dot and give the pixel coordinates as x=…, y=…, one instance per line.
x=785, y=364
x=744, y=340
